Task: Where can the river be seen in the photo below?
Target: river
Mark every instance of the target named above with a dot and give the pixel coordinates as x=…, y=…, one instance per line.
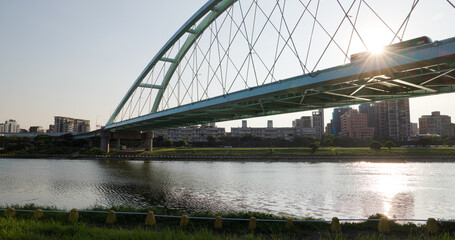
x=321, y=190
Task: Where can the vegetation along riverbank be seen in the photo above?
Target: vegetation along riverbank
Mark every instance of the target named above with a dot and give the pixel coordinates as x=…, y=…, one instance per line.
x=328, y=148
x=94, y=225
x=323, y=154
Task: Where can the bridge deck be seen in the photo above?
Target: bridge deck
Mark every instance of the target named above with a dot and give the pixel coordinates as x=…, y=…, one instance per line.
x=423, y=70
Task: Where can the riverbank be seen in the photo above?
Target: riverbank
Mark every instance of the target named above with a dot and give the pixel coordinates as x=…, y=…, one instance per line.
x=93, y=225
x=32, y=229
x=441, y=154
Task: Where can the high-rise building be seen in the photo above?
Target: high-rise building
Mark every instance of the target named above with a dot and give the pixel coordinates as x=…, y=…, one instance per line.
x=66, y=124
x=297, y=123
x=391, y=119
x=51, y=129
x=414, y=129
x=10, y=126
x=36, y=129
x=318, y=122
x=394, y=119
x=435, y=124
x=2, y=127
x=304, y=127
x=328, y=128
x=307, y=122
x=370, y=109
x=336, y=119
x=355, y=125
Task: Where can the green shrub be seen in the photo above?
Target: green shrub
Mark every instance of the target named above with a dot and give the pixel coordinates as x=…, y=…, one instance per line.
x=375, y=145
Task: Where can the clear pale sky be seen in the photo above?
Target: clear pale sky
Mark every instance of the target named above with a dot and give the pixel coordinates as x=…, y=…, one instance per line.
x=78, y=58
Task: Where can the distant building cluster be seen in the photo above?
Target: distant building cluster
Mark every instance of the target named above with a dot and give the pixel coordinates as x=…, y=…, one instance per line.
x=385, y=119
x=265, y=133
x=66, y=124
x=9, y=126
x=61, y=125
x=355, y=125
x=436, y=124
x=192, y=134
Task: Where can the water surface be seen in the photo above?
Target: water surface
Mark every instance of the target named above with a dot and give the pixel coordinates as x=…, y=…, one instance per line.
x=322, y=190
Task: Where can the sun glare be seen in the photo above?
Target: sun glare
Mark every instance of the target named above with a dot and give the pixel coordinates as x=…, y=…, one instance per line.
x=375, y=40
x=377, y=49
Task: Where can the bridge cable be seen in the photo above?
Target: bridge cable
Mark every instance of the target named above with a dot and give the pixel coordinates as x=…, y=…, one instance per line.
x=409, y=15
x=377, y=15
x=286, y=41
x=291, y=33
x=407, y=22
x=245, y=35
x=312, y=32
x=272, y=70
x=332, y=37
x=352, y=32
x=238, y=30
x=353, y=25
x=260, y=35
x=239, y=26
x=451, y=3
x=325, y=30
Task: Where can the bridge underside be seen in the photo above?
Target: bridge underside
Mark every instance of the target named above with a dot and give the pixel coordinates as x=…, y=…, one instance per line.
x=424, y=70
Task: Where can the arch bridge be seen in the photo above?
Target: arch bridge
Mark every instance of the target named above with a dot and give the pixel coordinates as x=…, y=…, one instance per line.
x=250, y=58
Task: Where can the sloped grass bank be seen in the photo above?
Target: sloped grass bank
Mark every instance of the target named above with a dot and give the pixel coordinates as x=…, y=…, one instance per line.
x=93, y=226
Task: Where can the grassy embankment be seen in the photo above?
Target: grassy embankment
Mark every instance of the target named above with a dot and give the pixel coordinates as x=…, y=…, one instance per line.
x=92, y=226
x=325, y=151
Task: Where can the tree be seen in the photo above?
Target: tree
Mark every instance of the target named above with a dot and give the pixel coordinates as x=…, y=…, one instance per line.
x=181, y=143
x=375, y=145
x=314, y=146
x=389, y=145
x=168, y=143
x=211, y=139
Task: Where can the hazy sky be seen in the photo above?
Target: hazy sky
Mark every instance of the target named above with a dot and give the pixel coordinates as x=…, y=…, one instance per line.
x=78, y=58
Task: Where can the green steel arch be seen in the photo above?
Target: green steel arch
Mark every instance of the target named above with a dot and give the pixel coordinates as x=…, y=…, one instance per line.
x=208, y=13
x=176, y=54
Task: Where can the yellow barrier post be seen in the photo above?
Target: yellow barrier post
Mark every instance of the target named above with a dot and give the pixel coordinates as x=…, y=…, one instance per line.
x=111, y=217
x=252, y=223
x=184, y=221
x=432, y=226
x=74, y=215
x=289, y=224
x=150, y=219
x=218, y=223
x=383, y=226
x=10, y=212
x=38, y=214
x=335, y=226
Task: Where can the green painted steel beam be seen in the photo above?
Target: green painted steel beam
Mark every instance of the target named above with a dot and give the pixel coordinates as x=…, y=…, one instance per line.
x=193, y=20
x=146, y=85
x=204, y=24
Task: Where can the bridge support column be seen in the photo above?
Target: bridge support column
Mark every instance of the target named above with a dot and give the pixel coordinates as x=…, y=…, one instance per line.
x=148, y=141
x=105, y=137
x=91, y=142
x=117, y=143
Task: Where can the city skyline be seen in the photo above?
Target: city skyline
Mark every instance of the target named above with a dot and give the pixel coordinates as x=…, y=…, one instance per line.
x=64, y=59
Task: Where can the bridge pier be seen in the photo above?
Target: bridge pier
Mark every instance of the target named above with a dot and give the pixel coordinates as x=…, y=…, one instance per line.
x=91, y=142
x=117, y=143
x=148, y=140
x=104, y=145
